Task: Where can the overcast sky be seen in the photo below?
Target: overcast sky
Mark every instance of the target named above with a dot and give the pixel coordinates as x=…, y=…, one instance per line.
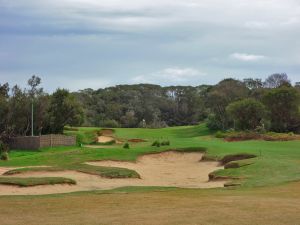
x=79, y=44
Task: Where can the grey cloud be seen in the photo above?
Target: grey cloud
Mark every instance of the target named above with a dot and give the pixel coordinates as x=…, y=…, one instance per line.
x=107, y=42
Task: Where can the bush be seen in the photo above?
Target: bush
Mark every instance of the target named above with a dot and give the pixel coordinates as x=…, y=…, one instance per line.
x=260, y=130
x=220, y=134
x=242, y=136
x=246, y=113
x=165, y=143
x=4, y=156
x=155, y=143
x=126, y=146
x=79, y=139
x=110, y=124
x=213, y=123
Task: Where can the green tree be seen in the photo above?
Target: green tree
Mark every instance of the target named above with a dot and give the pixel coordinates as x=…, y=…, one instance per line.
x=219, y=97
x=19, y=118
x=129, y=119
x=253, y=84
x=4, y=111
x=64, y=110
x=283, y=105
x=246, y=114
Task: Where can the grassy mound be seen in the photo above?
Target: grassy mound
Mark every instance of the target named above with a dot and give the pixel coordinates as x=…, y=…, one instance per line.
x=35, y=181
x=108, y=172
x=229, y=158
x=31, y=169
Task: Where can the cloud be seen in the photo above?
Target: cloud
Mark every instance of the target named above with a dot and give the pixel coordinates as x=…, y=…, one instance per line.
x=172, y=75
x=256, y=25
x=111, y=39
x=142, y=14
x=247, y=57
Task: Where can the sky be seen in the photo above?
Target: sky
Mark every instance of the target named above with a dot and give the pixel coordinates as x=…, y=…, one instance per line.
x=77, y=44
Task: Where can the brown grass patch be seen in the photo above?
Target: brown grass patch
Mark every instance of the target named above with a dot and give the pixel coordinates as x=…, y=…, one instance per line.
x=136, y=140
x=189, y=207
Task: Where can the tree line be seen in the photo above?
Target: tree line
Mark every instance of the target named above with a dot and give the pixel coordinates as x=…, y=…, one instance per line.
x=249, y=104
x=51, y=112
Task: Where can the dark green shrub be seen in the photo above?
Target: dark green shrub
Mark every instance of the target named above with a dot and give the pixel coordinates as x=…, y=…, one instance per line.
x=4, y=156
x=3, y=151
x=110, y=124
x=165, y=143
x=126, y=146
x=220, y=134
x=246, y=113
x=79, y=139
x=213, y=123
x=155, y=143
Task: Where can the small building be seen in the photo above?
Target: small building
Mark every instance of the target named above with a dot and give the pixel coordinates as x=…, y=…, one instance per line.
x=37, y=142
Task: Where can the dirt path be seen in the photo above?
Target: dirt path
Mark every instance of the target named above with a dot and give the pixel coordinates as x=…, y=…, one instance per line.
x=165, y=169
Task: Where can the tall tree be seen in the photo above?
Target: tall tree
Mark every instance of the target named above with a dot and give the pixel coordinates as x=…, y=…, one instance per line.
x=64, y=110
x=276, y=80
x=220, y=96
x=253, y=84
x=283, y=104
x=247, y=113
x=4, y=111
x=20, y=111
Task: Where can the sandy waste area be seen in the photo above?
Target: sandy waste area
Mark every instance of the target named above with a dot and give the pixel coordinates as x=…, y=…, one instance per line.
x=169, y=169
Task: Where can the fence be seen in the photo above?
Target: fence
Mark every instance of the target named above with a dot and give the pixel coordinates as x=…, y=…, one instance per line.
x=36, y=142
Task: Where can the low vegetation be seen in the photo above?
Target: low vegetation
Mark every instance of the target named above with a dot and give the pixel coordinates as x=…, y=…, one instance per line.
x=35, y=181
x=232, y=136
x=108, y=172
x=126, y=146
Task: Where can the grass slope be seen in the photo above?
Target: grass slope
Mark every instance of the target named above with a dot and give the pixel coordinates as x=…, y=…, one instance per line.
x=277, y=162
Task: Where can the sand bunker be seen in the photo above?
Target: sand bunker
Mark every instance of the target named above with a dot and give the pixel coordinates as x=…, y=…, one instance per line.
x=169, y=169
x=105, y=139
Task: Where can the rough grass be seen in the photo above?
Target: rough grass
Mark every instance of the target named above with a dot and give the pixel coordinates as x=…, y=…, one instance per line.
x=35, y=181
x=147, y=205
x=252, y=135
